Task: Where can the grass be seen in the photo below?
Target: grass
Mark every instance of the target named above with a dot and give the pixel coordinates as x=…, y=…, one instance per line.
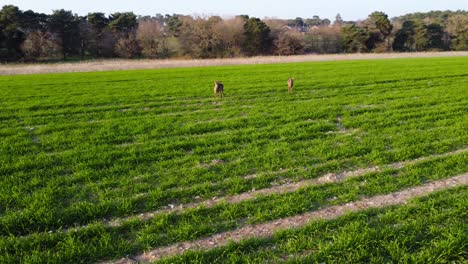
x=79, y=147
x=430, y=229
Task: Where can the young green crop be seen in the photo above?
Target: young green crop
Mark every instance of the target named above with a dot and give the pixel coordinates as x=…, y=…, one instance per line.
x=167, y=228
x=429, y=229
x=79, y=147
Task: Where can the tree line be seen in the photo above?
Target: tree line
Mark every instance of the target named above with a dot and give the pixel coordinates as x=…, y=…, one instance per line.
x=62, y=35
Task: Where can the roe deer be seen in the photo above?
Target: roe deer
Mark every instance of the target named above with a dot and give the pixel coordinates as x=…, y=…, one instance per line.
x=218, y=89
x=290, y=85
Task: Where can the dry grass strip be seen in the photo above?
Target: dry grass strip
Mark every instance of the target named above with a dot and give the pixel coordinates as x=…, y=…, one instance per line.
x=120, y=64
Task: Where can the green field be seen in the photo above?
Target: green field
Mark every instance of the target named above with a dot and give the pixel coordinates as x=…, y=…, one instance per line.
x=79, y=149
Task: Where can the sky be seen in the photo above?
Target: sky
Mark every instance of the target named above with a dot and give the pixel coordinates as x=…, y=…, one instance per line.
x=349, y=9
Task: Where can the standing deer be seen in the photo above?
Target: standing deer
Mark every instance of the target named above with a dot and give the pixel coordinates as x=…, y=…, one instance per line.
x=218, y=89
x=290, y=85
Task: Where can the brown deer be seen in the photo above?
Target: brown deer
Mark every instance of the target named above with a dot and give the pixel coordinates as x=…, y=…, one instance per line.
x=218, y=89
x=290, y=85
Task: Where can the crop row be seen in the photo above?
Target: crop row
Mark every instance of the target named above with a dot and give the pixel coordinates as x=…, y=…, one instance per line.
x=76, y=148
x=429, y=229
x=94, y=242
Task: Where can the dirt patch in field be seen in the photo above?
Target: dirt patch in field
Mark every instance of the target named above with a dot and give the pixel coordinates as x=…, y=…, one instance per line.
x=128, y=144
x=255, y=175
x=212, y=163
x=112, y=65
x=269, y=228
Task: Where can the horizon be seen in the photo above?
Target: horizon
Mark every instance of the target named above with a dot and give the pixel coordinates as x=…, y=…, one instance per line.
x=356, y=10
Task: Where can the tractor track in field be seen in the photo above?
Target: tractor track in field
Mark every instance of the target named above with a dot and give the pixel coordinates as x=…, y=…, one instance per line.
x=279, y=189
x=288, y=187
x=269, y=228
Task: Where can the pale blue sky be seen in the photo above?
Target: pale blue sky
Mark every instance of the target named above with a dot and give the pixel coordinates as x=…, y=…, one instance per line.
x=349, y=9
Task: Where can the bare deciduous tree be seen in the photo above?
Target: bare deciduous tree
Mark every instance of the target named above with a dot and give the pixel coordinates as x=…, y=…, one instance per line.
x=212, y=37
x=127, y=47
x=276, y=26
x=195, y=37
x=289, y=42
x=323, y=39
x=151, y=37
x=457, y=29
x=40, y=45
x=228, y=37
